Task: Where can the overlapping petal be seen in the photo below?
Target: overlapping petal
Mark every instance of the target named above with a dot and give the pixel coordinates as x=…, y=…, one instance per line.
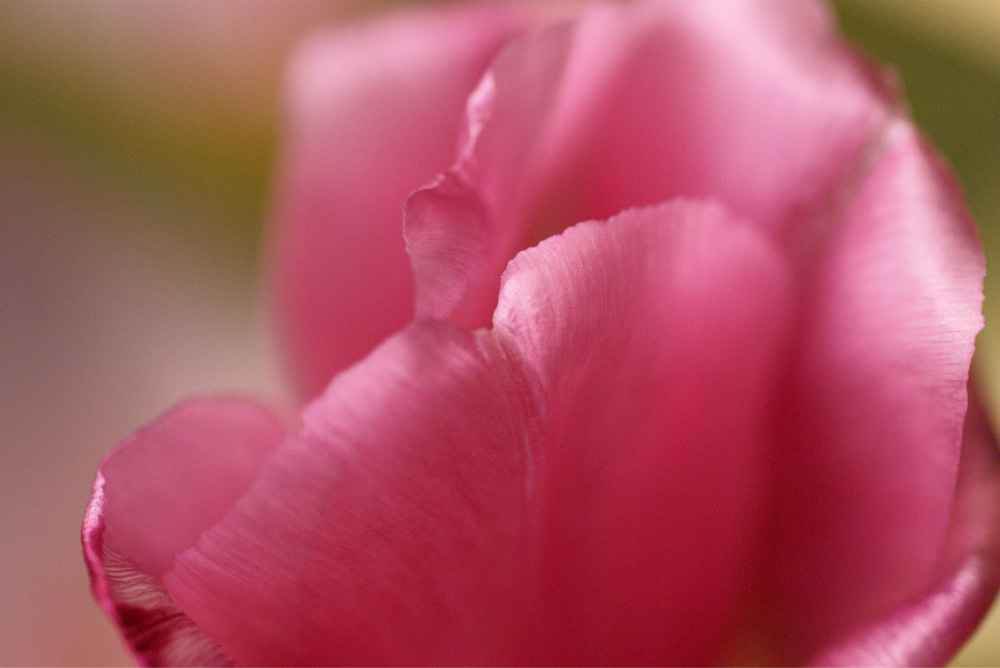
x=888, y=261
x=610, y=445
x=460, y=496
x=388, y=530
x=756, y=104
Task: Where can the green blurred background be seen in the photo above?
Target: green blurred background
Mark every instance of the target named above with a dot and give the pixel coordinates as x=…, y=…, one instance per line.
x=137, y=141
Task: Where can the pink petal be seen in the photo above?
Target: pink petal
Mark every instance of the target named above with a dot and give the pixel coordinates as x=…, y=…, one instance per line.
x=588, y=483
x=653, y=340
x=389, y=530
x=375, y=112
x=154, y=495
x=892, y=303
x=757, y=104
x=929, y=630
x=480, y=498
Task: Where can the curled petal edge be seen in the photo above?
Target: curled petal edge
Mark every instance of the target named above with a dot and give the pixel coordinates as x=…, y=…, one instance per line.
x=152, y=625
x=124, y=570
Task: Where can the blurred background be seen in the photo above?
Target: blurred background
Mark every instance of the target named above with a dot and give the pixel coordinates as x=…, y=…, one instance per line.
x=137, y=140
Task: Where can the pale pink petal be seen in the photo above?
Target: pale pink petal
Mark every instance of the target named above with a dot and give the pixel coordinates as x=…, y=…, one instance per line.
x=389, y=530
x=892, y=295
x=929, y=630
x=757, y=104
x=375, y=112
x=154, y=495
x=653, y=340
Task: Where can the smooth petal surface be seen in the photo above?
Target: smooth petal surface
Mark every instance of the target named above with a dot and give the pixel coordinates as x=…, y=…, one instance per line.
x=757, y=104
x=389, y=530
x=654, y=339
x=929, y=630
x=154, y=495
x=891, y=304
x=375, y=111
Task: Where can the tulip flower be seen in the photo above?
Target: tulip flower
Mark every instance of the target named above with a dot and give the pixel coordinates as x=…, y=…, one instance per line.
x=668, y=362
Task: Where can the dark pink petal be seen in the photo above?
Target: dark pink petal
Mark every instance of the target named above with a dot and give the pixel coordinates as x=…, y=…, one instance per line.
x=755, y=103
x=875, y=406
x=929, y=630
x=375, y=113
x=389, y=530
x=154, y=495
x=653, y=341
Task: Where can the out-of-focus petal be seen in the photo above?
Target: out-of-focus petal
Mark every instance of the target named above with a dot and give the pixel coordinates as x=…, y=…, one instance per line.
x=758, y=104
x=929, y=630
x=375, y=112
x=389, y=530
x=653, y=340
x=891, y=299
x=153, y=497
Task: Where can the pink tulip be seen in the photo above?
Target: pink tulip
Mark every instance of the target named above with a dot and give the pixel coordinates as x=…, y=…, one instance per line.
x=722, y=421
